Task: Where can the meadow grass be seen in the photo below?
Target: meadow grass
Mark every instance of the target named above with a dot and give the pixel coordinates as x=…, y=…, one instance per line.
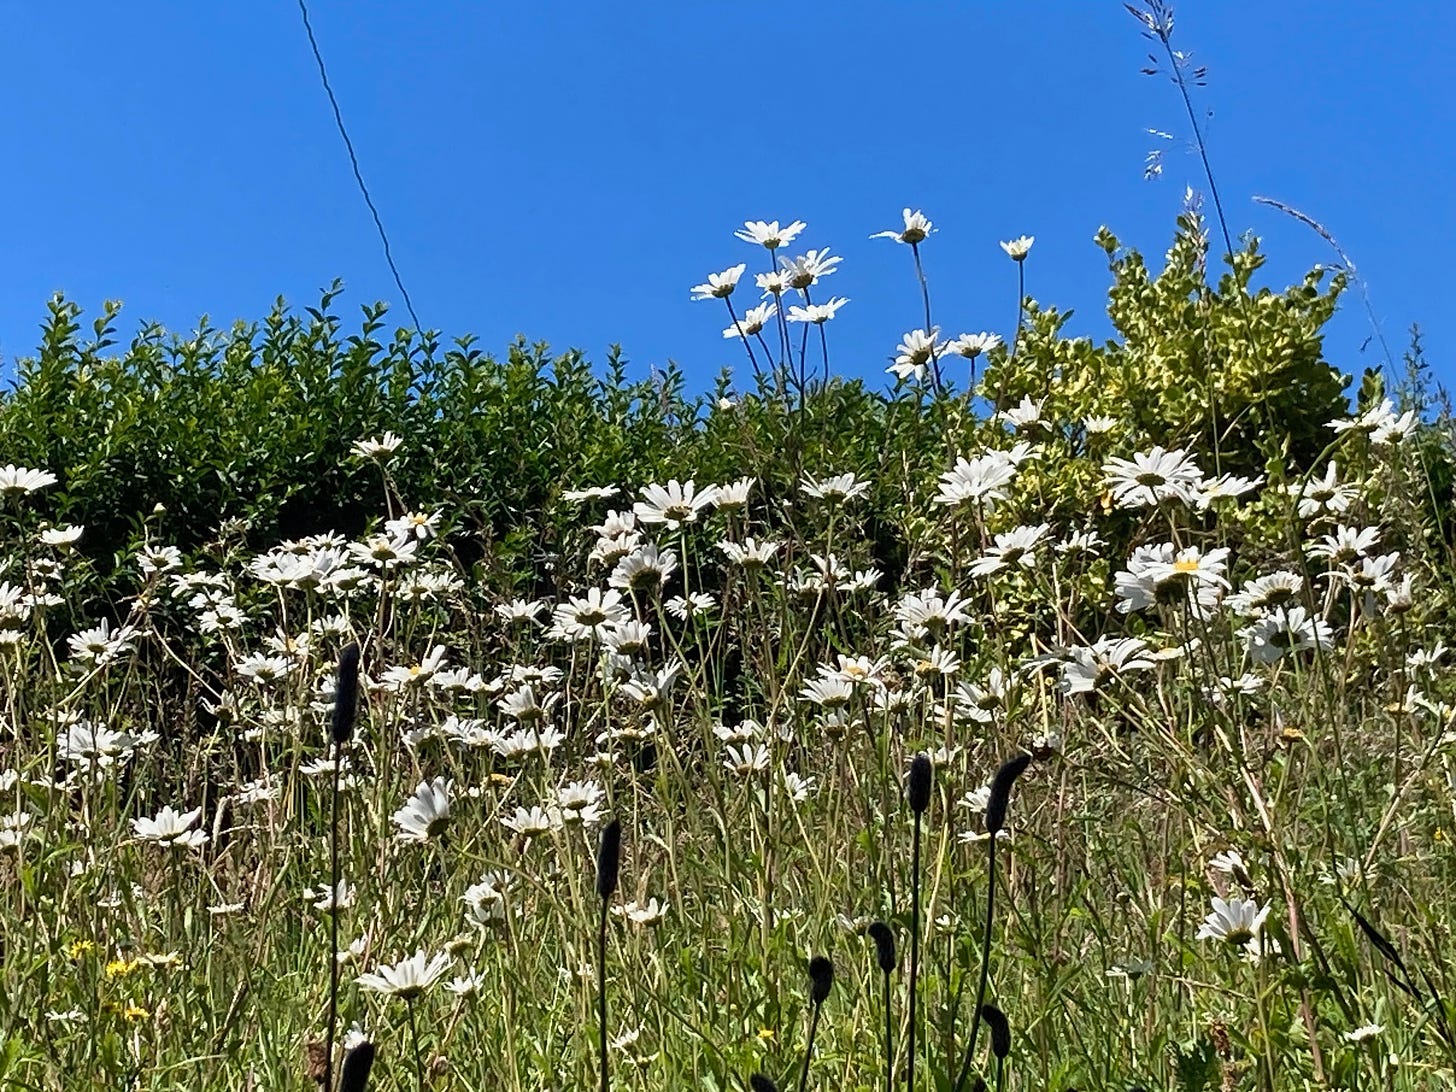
x=1069, y=717
x=1267, y=727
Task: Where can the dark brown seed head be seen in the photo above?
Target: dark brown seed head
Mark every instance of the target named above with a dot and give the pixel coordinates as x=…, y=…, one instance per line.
x=1001, y=791
x=317, y=1058
x=821, y=978
x=884, y=945
x=357, y=1064
x=918, y=786
x=609, y=859
x=1000, y=1030
x=346, y=695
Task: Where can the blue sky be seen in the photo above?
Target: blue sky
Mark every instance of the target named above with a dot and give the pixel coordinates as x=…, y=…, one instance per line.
x=568, y=171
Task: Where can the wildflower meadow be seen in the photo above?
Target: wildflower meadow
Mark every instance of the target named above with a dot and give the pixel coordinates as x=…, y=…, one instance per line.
x=381, y=713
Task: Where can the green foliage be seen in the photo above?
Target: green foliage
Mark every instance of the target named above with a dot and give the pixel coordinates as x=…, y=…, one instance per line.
x=1239, y=371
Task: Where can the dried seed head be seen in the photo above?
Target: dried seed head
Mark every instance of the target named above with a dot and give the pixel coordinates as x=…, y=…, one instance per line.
x=346, y=695
x=821, y=978
x=1219, y=1034
x=609, y=859
x=1001, y=791
x=316, y=1056
x=1000, y=1030
x=884, y=945
x=918, y=786
x=357, y=1064
x=759, y=1083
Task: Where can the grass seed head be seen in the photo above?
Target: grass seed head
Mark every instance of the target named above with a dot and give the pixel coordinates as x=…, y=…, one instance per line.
x=609, y=859
x=1000, y=1030
x=918, y=788
x=346, y=695
x=821, y=978
x=1001, y=791
x=884, y=940
x=357, y=1064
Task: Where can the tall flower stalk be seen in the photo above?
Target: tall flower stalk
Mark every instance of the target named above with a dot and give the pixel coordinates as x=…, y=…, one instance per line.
x=1001, y=786
x=609, y=861
x=918, y=793
x=346, y=712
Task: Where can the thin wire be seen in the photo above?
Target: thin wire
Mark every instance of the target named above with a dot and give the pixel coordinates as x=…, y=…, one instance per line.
x=354, y=163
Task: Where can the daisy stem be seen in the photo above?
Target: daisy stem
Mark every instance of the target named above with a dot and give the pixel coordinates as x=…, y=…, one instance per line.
x=809, y=1049
x=914, y=950
x=929, y=330
x=415, y=1043
x=333, y=922
x=1020, y=305
x=743, y=337
x=985, y=967
x=602, y=994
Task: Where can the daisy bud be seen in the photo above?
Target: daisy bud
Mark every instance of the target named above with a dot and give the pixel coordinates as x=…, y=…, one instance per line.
x=821, y=978
x=918, y=787
x=884, y=945
x=1001, y=791
x=609, y=859
x=759, y=1083
x=1000, y=1030
x=357, y=1063
x=346, y=694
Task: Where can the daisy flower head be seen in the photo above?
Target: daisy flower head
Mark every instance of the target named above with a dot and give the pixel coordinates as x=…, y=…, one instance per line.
x=673, y=504
x=1234, y=921
x=1323, y=495
x=1014, y=547
x=591, y=492
x=834, y=487
x=769, y=235
x=981, y=481
x=1283, y=630
x=61, y=537
x=687, y=607
x=746, y=759
x=16, y=481
x=971, y=346
x=650, y=912
x=466, y=985
x=719, y=286
x=915, y=353
x=1225, y=485
x=916, y=230
x=751, y=553
x=426, y=813
x=735, y=493
x=1265, y=593
x=817, y=314
x=1017, y=249
x=1095, y=666
x=533, y=821
x=645, y=569
x=170, y=827
x=1151, y=477
x=810, y=268
x=407, y=979
x=752, y=322
x=773, y=284
x=378, y=448
x=1023, y=414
